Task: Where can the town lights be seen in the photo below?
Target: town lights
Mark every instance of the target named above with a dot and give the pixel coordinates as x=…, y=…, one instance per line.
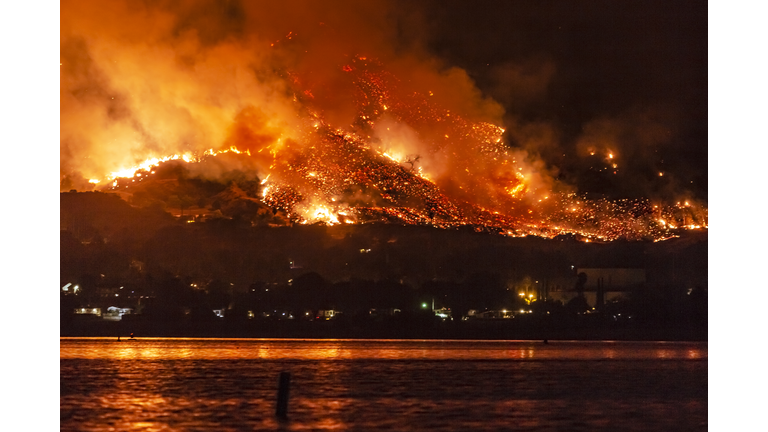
x=529, y=299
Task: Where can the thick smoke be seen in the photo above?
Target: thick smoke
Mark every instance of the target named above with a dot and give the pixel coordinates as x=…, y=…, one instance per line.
x=151, y=79
x=629, y=148
x=146, y=80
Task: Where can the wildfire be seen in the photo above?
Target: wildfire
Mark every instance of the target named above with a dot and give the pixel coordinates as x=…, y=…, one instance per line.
x=152, y=162
x=333, y=176
x=515, y=191
x=318, y=213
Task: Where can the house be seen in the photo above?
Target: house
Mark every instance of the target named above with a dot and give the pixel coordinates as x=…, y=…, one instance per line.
x=384, y=312
x=70, y=289
x=114, y=313
x=603, y=285
x=442, y=313
x=490, y=314
x=88, y=311
x=326, y=314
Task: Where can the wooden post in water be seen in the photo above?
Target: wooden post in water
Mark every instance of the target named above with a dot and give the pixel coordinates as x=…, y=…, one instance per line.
x=282, y=395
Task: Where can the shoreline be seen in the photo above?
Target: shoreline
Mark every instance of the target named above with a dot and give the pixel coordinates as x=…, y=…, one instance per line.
x=332, y=330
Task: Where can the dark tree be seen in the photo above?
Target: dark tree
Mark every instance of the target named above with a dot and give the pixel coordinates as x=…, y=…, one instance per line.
x=580, y=282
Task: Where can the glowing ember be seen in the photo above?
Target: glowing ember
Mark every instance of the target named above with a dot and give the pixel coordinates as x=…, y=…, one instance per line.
x=153, y=162
x=406, y=160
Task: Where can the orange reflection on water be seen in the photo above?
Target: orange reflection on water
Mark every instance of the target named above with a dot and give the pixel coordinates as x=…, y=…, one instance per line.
x=524, y=388
x=522, y=353
x=148, y=352
x=345, y=349
x=330, y=412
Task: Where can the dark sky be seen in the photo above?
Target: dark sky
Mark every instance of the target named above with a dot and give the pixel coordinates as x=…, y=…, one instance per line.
x=626, y=66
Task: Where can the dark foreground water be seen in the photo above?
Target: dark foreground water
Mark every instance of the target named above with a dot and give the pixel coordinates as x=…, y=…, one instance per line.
x=231, y=385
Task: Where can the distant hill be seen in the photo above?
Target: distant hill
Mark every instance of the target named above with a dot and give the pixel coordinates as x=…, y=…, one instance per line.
x=97, y=216
x=242, y=251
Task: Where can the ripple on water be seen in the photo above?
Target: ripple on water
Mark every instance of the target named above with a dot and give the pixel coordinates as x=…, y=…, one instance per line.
x=223, y=385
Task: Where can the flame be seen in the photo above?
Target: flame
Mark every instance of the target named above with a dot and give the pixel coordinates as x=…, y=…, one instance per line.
x=423, y=175
x=312, y=167
x=152, y=162
x=396, y=159
x=319, y=213
x=515, y=191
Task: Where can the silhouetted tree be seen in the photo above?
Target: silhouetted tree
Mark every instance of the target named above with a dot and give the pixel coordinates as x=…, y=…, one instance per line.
x=218, y=294
x=580, y=282
x=577, y=304
x=485, y=290
x=310, y=291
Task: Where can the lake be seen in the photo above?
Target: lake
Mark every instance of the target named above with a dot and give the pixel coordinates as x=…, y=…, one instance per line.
x=178, y=384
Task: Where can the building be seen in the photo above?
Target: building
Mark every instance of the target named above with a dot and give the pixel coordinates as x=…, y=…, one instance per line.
x=603, y=285
x=442, y=313
x=88, y=311
x=114, y=313
x=326, y=314
x=489, y=314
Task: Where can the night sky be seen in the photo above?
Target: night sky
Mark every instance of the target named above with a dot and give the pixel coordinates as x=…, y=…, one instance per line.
x=577, y=66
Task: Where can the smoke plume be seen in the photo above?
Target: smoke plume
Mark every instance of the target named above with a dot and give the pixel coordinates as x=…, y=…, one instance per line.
x=283, y=81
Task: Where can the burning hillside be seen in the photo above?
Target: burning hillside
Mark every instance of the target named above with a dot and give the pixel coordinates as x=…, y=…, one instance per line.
x=345, y=139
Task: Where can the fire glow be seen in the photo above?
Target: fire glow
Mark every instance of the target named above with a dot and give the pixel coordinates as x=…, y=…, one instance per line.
x=313, y=185
x=382, y=150
x=153, y=162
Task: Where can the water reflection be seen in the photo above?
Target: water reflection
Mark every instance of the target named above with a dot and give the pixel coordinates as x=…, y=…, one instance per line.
x=332, y=412
x=228, y=385
x=336, y=349
x=522, y=353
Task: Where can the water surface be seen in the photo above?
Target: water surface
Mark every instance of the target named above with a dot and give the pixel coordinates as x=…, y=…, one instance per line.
x=162, y=384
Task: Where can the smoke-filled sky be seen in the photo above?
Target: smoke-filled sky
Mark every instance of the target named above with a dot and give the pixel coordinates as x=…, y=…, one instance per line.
x=581, y=75
x=578, y=86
